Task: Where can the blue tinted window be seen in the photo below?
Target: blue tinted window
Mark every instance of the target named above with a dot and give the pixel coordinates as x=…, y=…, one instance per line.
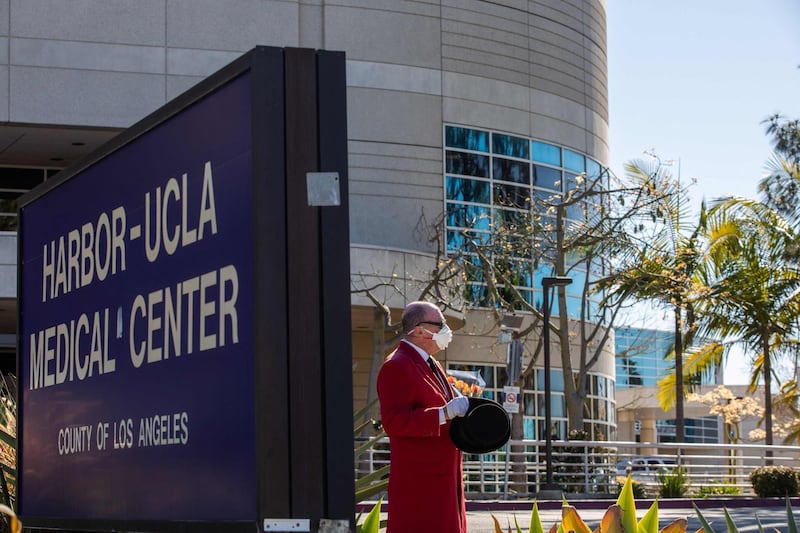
x=570, y=181
x=556, y=379
x=509, y=170
x=477, y=294
x=546, y=177
x=592, y=169
x=511, y=196
x=474, y=269
x=508, y=145
x=466, y=138
x=455, y=241
x=467, y=164
x=467, y=190
x=573, y=306
x=546, y=153
x=511, y=220
x=468, y=216
x=557, y=405
x=575, y=212
x=527, y=428
x=574, y=161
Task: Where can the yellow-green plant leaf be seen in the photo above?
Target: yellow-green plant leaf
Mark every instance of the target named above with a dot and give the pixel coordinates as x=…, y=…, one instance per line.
x=628, y=504
x=372, y=522
x=497, y=528
x=790, y=523
x=703, y=521
x=678, y=525
x=612, y=520
x=536, y=521
x=14, y=524
x=729, y=521
x=649, y=522
x=571, y=521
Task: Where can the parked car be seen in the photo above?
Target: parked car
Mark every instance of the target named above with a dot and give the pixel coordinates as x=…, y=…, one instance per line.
x=645, y=468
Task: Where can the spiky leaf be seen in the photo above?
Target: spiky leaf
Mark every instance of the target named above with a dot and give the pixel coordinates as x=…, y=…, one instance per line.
x=570, y=521
x=372, y=522
x=628, y=504
x=678, y=525
x=536, y=521
x=612, y=520
x=790, y=523
x=649, y=522
x=703, y=521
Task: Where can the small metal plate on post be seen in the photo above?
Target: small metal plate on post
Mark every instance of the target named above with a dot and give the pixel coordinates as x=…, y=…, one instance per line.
x=287, y=524
x=323, y=188
x=327, y=525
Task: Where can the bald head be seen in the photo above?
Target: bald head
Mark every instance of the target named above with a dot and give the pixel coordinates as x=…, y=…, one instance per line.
x=417, y=312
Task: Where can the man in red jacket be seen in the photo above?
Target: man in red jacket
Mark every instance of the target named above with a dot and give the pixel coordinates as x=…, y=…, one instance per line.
x=426, y=490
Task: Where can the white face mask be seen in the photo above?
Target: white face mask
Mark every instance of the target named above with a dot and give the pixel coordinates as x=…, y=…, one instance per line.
x=442, y=337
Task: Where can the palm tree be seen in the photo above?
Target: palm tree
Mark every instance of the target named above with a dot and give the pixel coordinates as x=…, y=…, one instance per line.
x=755, y=292
x=666, y=272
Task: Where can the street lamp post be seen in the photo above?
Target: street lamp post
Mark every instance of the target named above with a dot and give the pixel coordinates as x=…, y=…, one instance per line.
x=557, y=281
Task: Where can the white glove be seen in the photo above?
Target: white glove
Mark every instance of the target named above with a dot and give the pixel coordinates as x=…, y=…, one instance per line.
x=456, y=407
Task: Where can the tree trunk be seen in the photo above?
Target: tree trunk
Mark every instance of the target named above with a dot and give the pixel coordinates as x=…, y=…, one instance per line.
x=767, y=397
x=680, y=433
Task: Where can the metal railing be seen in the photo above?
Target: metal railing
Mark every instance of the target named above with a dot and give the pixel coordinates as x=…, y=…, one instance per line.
x=598, y=467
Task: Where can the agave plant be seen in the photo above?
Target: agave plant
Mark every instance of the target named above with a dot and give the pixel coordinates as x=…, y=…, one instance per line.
x=377, y=481
x=618, y=518
x=621, y=518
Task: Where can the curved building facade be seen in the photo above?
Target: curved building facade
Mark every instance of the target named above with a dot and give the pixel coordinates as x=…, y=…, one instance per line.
x=72, y=74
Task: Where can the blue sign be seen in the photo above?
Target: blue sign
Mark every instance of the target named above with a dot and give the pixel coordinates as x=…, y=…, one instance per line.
x=136, y=344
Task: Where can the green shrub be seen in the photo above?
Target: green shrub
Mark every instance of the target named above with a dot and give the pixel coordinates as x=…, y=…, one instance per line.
x=637, y=489
x=717, y=488
x=672, y=483
x=773, y=480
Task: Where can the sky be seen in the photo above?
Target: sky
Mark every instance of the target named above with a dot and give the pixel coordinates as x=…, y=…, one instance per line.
x=692, y=81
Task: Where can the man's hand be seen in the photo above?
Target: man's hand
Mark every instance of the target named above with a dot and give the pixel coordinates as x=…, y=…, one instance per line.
x=456, y=407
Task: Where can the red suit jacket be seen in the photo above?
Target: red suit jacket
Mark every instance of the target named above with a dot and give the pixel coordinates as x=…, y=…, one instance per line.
x=426, y=491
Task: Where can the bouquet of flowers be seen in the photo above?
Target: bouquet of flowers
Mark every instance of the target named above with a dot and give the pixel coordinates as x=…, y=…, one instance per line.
x=467, y=383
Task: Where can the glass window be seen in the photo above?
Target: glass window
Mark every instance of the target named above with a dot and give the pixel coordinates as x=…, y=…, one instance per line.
x=467, y=164
x=546, y=177
x=511, y=220
x=468, y=216
x=556, y=379
x=574, y=161
x=510, y=170
x=508, y=145
x=467, y=190
x=478, y=294
x=546, y=153
x=570, y=181
x=592, y=169
x=466, y=138
x=558, y=408
x=527, y=428
x=511, y=196
x=456, y=241
x=474, y=269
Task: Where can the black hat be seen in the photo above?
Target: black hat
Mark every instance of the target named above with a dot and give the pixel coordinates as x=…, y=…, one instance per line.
x=485, y=428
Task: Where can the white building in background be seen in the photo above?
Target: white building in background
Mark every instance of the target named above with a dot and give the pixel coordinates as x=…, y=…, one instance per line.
x=528, y=79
